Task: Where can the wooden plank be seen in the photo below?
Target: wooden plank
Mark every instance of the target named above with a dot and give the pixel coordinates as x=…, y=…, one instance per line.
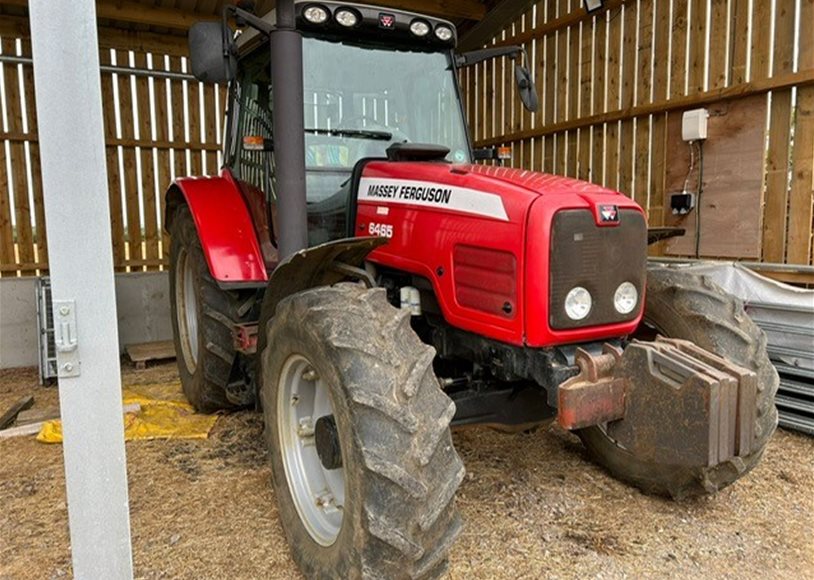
x=37, y=416
x=718, y=43
x=178, y=123
x=40, y=236
x=784, y=39
x=131, y=194
x=641, y=163
x=194, y=122
x=678, y=61
x=761, y=40
x=148, y=192
x=112, y=160
x=777, y=178
x=19, y=177
x=7, y=257
x=211, y=116
x=15, y=409
x=733, y=178
x=145, y=352
x=658, y=176
x=614, y=74
x=740, y=42
x=574, y=65
x=698, y=45
x=162, y=133
x=599, y=106
x=661, y=47
x=626, y=131
x=798, y=245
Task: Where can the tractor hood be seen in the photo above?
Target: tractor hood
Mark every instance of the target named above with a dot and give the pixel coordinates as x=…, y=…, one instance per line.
x=499, y=193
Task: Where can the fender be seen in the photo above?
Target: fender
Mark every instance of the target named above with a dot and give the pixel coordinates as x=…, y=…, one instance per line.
x=321, y=265
x=224, y=225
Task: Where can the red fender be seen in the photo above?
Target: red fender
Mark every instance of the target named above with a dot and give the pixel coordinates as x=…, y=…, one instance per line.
x=224, y=226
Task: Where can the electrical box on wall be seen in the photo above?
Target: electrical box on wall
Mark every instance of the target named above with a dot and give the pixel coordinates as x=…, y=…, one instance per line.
x=694, y=125
x=682, y=203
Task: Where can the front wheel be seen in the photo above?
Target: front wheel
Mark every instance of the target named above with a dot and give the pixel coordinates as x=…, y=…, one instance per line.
x=358, y=431
x=688, y=306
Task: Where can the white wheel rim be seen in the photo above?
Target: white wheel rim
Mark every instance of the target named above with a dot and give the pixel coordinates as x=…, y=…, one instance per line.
x=187, y=310
x=318, y=493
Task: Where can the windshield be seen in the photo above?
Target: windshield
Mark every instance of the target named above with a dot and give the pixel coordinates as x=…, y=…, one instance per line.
x=360, y=99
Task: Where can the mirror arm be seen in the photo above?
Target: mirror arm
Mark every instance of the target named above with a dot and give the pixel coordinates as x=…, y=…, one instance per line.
x=476, y=56
x=257, y=23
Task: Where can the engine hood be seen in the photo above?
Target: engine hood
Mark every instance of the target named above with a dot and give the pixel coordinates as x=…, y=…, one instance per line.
x=501, y=193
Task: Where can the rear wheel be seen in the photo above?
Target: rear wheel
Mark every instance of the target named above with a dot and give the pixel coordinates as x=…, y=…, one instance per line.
x=358, y=431
x=202, y=319
x=688, y=306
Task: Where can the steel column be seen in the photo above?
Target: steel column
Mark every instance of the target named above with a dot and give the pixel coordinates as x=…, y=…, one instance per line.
x=74, y=176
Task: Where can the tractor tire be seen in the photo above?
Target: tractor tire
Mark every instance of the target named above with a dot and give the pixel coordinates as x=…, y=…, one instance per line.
x=399, y=470
x=202, y=318
x=689, y=306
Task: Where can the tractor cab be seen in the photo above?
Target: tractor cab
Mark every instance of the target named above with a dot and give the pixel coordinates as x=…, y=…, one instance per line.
x=363, y=93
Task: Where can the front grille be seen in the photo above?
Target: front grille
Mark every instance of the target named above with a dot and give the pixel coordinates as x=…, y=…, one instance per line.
x=598, y=259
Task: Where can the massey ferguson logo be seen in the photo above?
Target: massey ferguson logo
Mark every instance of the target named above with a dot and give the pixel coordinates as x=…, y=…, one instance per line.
x=609, y=213
x=387, y=20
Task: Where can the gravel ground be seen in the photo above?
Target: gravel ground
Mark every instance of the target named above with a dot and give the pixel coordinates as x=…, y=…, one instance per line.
x=534, y=507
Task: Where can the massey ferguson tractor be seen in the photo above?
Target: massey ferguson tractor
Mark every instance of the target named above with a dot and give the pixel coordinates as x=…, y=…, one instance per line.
x=356, y=276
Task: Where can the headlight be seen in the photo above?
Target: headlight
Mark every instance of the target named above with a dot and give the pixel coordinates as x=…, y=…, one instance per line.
x=443, y=33
x=315, y=14
x=625, y=298
x=419, y=28
x=347, y=18
x=578, y=303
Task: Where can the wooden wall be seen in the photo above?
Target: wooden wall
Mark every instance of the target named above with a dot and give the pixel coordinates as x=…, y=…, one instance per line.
x=612, y=89
x=162, y=128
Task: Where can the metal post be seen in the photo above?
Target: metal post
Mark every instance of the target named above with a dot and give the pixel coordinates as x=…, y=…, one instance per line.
x=74, y=177
x=289, y=131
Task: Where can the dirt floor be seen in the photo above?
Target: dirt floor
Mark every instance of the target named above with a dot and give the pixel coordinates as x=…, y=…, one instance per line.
x=534, y=507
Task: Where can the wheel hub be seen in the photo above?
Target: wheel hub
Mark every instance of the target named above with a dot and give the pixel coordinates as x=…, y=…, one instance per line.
x=309, y=445
x=327, y=442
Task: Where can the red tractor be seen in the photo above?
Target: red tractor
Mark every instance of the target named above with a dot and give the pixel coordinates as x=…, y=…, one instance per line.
x=354, y=274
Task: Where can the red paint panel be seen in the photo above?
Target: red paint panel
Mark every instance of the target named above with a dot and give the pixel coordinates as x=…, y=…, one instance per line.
x=485, y=279
x=225, y=228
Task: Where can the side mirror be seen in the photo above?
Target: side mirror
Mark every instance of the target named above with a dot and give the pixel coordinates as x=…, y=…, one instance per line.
x=525, y=88
x=212, y=52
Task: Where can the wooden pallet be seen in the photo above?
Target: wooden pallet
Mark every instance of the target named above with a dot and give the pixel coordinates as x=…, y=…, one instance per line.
x=145, y=352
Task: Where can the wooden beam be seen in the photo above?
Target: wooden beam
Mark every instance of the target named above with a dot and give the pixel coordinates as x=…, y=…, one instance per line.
x=140, y=13
x=798, y=79
x=498, y=18
x=452, y=9
x=117, y=38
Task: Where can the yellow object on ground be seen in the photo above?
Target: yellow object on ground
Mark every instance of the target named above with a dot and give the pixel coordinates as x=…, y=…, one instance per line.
x=164, y=414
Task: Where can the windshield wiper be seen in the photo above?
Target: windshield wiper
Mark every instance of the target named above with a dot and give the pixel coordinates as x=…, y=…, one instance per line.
x=354, y=133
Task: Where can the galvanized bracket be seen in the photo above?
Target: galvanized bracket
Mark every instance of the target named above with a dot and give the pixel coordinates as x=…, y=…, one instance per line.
x=66, y=338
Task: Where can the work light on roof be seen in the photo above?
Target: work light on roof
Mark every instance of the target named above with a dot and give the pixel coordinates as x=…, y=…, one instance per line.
x=346, y=17
x=443, y=32
x=419, y=28
x=316, y=14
